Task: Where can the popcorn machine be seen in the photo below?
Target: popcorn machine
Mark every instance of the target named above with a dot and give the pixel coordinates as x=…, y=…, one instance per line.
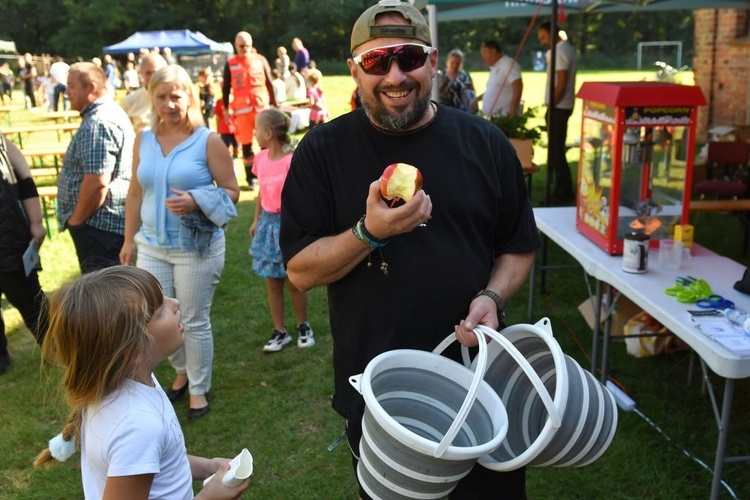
x=636, y=164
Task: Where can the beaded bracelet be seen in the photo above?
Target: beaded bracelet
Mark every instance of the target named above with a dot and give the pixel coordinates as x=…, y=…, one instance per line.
x=363, y=235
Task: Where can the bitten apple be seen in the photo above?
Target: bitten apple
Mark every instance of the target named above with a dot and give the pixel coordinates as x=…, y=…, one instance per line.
x=400, y=181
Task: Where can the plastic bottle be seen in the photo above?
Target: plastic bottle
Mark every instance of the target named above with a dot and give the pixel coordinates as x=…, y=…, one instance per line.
x=739, y=318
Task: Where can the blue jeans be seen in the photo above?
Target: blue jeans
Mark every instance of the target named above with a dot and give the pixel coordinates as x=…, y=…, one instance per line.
x=95, y=247
x=59, y=92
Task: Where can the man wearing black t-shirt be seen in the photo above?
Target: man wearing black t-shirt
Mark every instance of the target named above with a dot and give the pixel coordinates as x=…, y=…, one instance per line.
x=394, y=282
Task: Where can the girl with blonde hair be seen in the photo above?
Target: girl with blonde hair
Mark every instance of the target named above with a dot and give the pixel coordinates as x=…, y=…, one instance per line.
x=271, y=167
x=108, y=331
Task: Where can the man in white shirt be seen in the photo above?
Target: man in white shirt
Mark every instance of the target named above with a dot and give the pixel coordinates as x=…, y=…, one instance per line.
x=504, y=86
x=559, y=109
x=137, y=104
x=58, y=73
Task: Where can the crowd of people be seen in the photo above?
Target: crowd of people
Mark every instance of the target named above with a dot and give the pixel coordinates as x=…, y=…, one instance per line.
x=157, y=149
x=504, y=91
x=146, y=192
x=148, y=187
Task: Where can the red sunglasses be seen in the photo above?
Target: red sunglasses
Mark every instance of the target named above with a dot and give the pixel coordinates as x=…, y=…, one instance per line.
x=408, y=56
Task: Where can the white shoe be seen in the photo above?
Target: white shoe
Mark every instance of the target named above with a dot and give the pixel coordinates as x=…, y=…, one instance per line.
x=277, y=341
x=305, y=338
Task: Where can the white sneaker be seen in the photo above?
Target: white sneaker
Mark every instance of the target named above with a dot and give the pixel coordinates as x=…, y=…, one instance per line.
x=277, y=341
x=305, y=338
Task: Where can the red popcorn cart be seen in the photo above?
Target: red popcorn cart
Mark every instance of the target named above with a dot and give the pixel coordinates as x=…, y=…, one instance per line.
x=636, y=164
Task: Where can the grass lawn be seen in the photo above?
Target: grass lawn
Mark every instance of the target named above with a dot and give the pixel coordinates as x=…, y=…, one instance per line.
x=278, y=405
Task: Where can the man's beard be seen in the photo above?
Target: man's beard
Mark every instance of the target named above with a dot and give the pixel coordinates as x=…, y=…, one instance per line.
x=401, y=120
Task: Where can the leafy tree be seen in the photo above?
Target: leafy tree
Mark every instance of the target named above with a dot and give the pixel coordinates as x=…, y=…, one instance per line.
x=30, y=23
x=90, y=25
x=82, y=27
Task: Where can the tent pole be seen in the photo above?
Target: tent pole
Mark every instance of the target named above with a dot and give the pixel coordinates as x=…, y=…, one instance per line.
x=550, y=105
x=433, y=24
x=551, y=93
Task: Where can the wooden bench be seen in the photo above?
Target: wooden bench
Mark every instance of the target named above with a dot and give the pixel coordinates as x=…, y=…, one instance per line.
x=48, y=197
x=61, y=116
x=739, y=207
x=6, y=111
x=27, y=130
x=38, y=172
x=35, y=155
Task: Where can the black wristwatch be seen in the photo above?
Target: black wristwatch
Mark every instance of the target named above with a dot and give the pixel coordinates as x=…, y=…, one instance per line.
x=498, y=302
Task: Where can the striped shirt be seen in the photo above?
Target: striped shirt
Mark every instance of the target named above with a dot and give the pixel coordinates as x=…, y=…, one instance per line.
x=103, y=144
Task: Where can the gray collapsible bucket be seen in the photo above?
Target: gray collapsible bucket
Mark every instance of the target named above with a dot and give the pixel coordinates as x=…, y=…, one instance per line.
x=427, y=420
x=558, y=413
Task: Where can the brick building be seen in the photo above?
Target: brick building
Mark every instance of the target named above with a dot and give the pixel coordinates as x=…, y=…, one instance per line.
x=722, y=67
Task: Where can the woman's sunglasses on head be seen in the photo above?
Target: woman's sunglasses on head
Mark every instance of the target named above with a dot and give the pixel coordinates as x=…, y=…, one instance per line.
x=408, y=56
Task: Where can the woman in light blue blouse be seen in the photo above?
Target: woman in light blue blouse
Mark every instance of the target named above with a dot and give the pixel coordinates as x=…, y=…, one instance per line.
x=181, y=197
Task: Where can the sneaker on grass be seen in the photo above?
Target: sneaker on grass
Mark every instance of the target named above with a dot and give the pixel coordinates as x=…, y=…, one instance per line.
x=277, y=341
x=305, y=338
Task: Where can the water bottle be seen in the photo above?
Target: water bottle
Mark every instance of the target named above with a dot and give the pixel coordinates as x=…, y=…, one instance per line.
x=739, y=318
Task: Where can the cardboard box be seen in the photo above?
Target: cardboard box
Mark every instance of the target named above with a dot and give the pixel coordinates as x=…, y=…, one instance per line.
x=624, y=310
x=684, y=233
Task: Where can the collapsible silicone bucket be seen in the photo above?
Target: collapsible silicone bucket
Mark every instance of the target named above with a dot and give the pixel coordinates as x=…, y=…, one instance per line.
x=558, y=413
x=427, y=420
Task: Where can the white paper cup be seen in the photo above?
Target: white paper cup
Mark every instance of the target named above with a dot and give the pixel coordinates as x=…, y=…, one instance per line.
x=241, y=468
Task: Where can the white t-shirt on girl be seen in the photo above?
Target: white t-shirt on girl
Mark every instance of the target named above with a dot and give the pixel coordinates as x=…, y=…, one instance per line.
x=135, y=431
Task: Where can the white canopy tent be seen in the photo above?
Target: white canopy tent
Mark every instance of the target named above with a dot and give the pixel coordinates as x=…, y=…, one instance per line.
x=8, y=46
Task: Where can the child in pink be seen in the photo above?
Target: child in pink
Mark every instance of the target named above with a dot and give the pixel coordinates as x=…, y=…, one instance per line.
x=318, y=110
x=271, y=166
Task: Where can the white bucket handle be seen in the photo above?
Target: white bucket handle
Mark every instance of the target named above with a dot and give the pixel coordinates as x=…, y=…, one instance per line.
x=471, y=394
x=519, y=358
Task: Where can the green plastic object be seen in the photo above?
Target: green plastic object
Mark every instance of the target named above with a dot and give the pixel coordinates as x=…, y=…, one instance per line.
x=688, y=289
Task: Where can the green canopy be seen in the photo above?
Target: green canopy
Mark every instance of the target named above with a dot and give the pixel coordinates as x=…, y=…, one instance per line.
x=462, y=10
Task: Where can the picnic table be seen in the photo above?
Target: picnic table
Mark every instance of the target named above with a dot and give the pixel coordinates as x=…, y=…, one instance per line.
x=25, y=130
x=48, y=197
x=42, y=172
x=61, y=116
x=36, y=155
x=5, y=111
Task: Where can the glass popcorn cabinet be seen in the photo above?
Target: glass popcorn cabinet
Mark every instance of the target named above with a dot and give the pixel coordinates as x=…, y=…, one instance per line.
x=636, y=162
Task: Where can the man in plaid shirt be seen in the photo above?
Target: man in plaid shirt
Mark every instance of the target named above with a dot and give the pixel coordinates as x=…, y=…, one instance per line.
x=94, y=180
